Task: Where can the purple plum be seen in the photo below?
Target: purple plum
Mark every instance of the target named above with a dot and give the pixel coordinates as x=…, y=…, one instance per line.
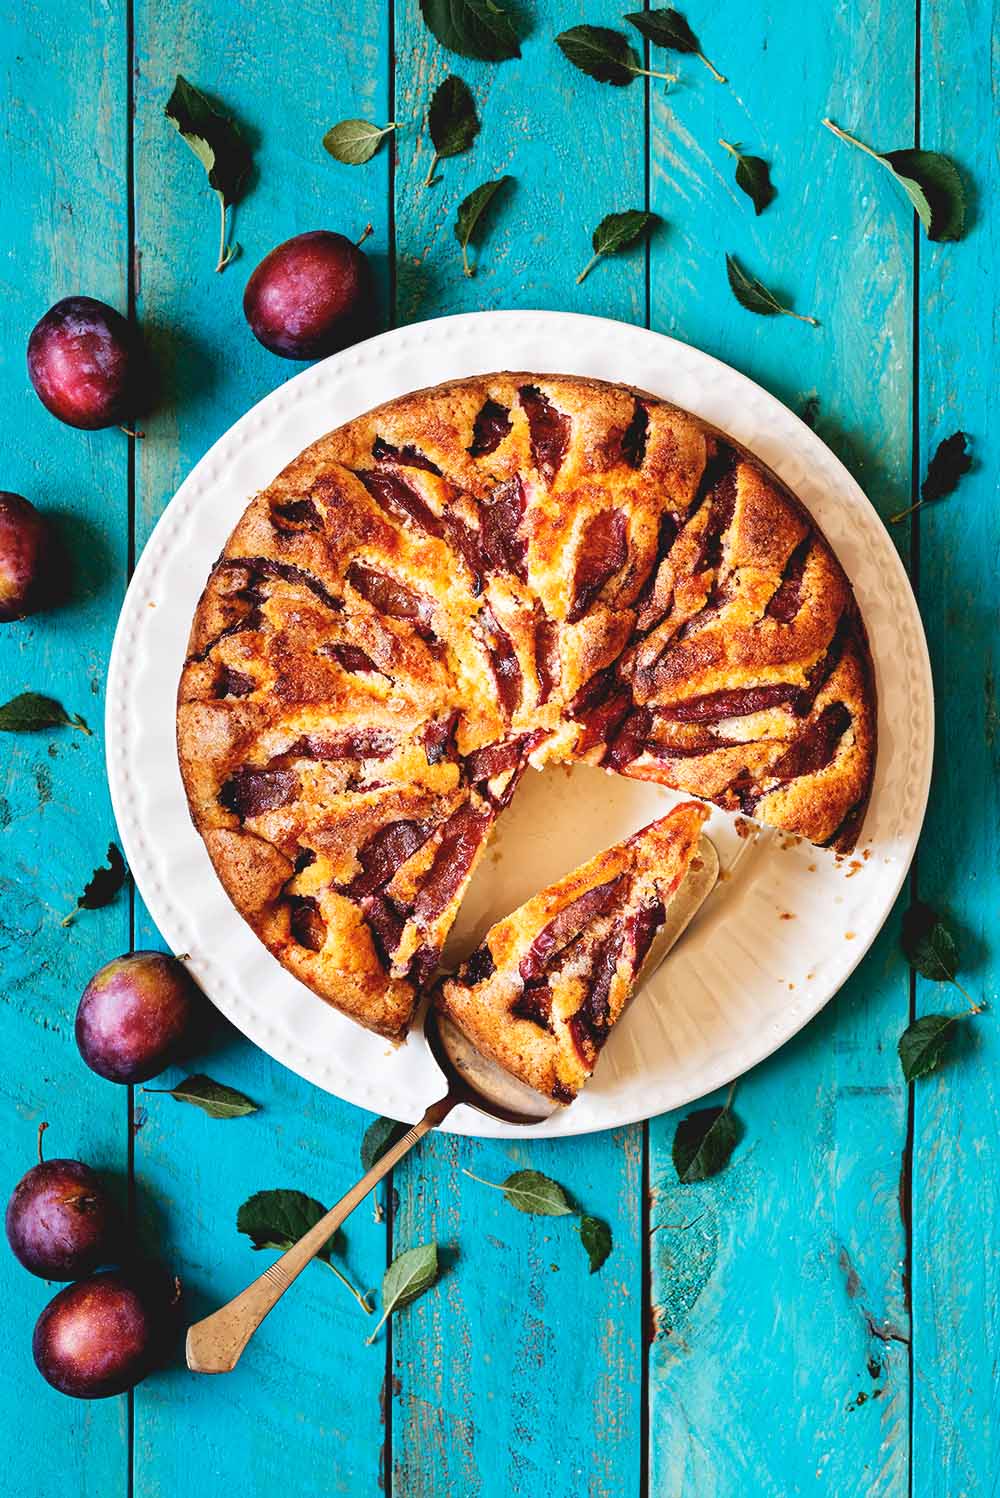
x=138, y=1014
x=101, y=1336
x=310, y=296
x=84, y=362
x=24, y=553
x=61, y=1221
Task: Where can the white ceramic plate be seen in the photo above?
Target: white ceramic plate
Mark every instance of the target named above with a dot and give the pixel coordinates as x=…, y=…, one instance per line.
x=778, y=937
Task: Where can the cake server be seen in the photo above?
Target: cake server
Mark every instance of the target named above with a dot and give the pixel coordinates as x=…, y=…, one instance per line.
x=215, y=1344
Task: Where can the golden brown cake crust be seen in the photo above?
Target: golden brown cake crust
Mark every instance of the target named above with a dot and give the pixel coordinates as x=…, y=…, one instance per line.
x=504, y=566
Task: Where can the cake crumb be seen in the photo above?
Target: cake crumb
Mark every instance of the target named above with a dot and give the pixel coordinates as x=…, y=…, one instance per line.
x=849, y=935
x=853, y=867
x=786, y=915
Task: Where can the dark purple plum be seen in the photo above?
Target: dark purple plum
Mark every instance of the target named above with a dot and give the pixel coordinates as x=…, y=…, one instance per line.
x=61, y=1222
x=100, y=1336
x=311, y=296
x=137, y=1015
x=84, y=362
x=24, y=553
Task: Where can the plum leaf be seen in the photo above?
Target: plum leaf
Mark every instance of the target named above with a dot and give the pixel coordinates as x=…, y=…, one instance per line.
x=668, y=28
x=930, y=181
x=595, y=1235
x=409, y=1275
x=452, y=121
x=103, y=884
x=952, y=459
x=219, y=147
x=355, y=141
x=31, y=711
x=605, y=55
x=755, y=297
x=704, y=1141
x=472, y=28
x=615, y=232
x=470, y=216
x=277, y=1219
x=752, y=177
x=380, y=1136
x=213, y=1098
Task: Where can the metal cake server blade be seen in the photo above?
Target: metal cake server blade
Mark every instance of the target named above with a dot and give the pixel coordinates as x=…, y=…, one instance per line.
x=215, y=1344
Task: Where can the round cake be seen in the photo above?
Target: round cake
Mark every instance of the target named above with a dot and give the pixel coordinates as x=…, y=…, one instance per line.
x=505, y=571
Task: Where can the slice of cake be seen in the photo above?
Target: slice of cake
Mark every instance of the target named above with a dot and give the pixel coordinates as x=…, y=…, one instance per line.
x=541, y=992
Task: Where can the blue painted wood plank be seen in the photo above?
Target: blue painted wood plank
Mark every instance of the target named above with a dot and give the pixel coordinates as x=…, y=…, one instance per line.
x=303, y=1410
x=956, y=1147
x=520, y=1373
x=62, y=163
x=763, y=1372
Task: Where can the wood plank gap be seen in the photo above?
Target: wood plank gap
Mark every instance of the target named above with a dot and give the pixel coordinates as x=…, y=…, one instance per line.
x=906, y=1180
x=646, y=1307
x=390, y=1199
x=130, y=313
x=393, y=316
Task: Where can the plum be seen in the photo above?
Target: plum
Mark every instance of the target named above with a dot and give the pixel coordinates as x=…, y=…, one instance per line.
x=84, y=362
x=102, y=1335
x=310, y=296
x=61, y=1222
x=24, y=552
x=137, y=1015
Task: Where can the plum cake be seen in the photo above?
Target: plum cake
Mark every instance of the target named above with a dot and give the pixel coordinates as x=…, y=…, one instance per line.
x=544, y=987
x=508, y=570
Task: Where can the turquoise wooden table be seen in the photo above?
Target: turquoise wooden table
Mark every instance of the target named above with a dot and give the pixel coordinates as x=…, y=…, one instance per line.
x=820, y=1318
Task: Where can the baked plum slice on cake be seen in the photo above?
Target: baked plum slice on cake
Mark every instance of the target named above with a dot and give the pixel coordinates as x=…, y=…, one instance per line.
x=510, y=569
x=541, y=992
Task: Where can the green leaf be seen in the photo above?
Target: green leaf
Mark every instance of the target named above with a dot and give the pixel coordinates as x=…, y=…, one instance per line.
x=752, y=177
x=379, y=1137
x=755, y=297
x=668, y=28
x=617, y=231
x=530, y=1191
x=355, y=141
x=219, y=147
x=604, y=54
x=930, y=181
x=408, y=1276
x=214, y=1098
x=452, y=121
x=923, y=1045
x=277, y=1219
x=703, y=1143
x=472, y=28
x=596, y=1238
x=102, y=886
x=30, y=712
x=935, y=189
x=950, y=462
x=470, y=215
x=929, y=944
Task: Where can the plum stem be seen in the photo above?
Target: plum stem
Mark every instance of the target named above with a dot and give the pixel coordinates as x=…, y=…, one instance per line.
x=130, y=431
x=651, y=73
x=588, y=268
x=368, y=229
x=225, y=254
x=430, y=179
x=362, y=1301
x=851, y=140
x=719, y=77
x=41, y=1130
